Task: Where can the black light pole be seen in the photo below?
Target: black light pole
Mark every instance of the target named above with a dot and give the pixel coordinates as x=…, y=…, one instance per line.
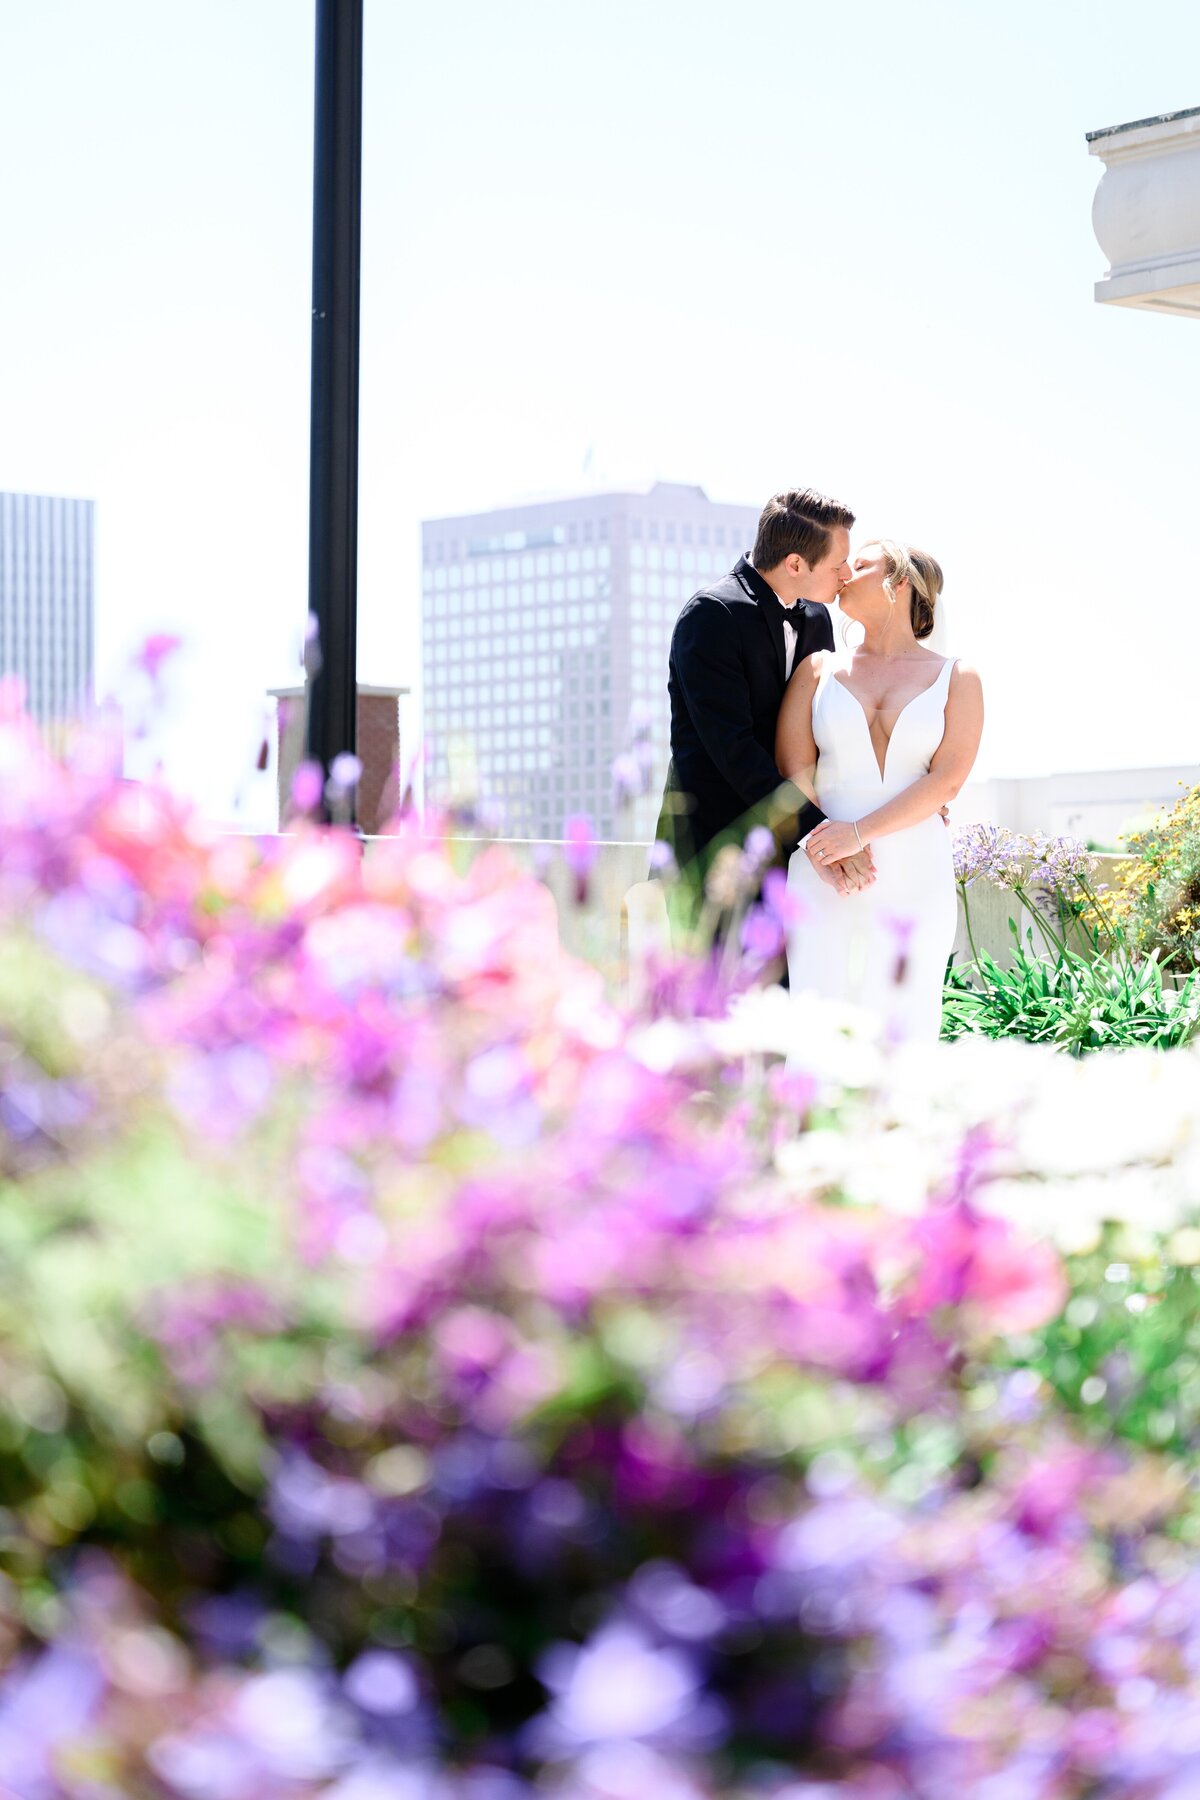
x=333, y=456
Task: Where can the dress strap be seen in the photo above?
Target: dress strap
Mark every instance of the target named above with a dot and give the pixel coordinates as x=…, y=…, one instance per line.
x=829, y=662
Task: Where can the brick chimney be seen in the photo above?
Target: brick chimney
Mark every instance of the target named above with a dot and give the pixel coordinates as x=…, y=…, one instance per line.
x=378, y=750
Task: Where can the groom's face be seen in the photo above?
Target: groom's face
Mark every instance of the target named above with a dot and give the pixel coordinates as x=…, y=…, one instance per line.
x=825, y=581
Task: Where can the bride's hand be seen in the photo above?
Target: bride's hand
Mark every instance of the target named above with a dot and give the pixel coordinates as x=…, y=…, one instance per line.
x=832, y=841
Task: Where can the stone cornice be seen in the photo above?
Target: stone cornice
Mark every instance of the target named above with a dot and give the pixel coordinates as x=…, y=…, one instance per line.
x=1146, y=212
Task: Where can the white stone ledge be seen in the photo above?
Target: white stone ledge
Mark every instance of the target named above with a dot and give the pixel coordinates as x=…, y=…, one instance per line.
x=1146, y=213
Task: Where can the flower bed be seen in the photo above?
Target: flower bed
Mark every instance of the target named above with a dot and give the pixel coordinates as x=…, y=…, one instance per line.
x=1086, y=980
x=1157, y=898
x=423, y=1381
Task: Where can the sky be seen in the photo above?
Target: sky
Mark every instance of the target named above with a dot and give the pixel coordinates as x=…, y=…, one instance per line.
x=747, y=246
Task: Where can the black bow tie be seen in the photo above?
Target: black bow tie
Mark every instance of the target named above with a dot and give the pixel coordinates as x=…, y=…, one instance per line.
x=786, y=615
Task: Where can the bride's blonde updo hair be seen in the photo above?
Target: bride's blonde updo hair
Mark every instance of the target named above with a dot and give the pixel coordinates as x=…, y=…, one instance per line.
x=923, y=574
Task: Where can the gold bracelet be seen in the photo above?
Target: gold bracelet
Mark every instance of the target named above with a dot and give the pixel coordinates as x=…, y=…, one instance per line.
x=858, y=835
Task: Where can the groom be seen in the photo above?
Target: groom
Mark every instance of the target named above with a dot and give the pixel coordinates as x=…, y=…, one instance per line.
x=733, y=650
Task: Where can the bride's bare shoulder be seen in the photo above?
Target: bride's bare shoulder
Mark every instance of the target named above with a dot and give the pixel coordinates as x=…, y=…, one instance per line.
x=965, y=687
x=810, y=669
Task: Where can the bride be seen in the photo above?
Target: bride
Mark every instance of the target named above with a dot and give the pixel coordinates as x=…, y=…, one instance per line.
x=881, y=737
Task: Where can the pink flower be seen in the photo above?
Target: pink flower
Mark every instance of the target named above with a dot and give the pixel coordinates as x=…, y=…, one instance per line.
x=156, y=650
x=1000, y=1281
x=308, y=786
x=579, y=852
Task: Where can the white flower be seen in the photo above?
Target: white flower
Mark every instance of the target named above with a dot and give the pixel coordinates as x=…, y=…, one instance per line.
x=839, y=1044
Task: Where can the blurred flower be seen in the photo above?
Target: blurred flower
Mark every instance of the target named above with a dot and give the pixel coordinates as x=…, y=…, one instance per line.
x=620, y=1687
x=308, y=785
x=579, y=853
x=382, y=1683
x=345, y=772
x=627, y=778
x=156, y=650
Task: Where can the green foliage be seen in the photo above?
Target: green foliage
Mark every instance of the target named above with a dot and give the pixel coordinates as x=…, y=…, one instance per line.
x=1077, y=1003
x=1124, y=1354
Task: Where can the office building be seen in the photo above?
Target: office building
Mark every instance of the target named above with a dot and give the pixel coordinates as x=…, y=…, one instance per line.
x=545, y=631
x=47, y=601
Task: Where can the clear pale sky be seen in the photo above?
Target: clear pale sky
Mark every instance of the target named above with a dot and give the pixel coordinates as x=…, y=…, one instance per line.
x=742, y=245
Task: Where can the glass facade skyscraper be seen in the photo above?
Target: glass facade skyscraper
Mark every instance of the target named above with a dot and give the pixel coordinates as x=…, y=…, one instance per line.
x=47, y=601
x=545, y=631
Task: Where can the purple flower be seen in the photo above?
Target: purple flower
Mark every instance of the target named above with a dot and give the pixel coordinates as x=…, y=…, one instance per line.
x=621, y=1687
x=1061, y=865
x=763, y=937
x=345, y=772
x=627, y=778
x=45, y=1704
x=382, y=1683
x=308, y=785
x=579, y=852
x=991, y=851
x=155, y=652
x=759, y=848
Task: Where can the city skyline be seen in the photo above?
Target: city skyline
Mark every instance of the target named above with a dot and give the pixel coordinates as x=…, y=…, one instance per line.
x=545, y=634
x=47, y=607
x=880, y=285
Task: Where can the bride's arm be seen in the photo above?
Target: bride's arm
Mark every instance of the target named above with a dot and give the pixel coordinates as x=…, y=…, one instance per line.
x=952, y=763
x=795, y=746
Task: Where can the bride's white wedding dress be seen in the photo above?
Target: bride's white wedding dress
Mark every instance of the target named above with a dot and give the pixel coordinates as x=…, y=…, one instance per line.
x=885, y=948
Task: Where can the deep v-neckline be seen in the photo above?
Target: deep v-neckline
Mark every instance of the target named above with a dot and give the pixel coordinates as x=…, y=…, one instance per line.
x=928, y=689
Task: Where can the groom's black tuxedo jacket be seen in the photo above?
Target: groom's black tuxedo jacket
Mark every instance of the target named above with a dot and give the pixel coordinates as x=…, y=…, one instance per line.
x=726, y=684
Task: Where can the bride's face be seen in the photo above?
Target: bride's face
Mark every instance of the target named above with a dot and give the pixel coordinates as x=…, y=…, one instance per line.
x=863, y=596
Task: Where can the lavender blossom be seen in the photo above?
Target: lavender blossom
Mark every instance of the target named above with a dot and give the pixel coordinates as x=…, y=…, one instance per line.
x=1061, y=865
x=992, y=852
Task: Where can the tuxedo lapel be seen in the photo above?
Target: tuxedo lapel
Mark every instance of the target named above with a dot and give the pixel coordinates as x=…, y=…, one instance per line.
x=769, y=610
x=773, y=625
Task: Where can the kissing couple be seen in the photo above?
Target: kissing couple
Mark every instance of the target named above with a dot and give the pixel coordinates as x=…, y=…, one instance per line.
x=850, y=755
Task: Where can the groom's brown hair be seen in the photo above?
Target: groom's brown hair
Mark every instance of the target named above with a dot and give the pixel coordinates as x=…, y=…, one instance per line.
x=798, y=523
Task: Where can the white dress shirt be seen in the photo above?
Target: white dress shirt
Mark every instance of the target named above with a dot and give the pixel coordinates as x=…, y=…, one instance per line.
x=790, y=640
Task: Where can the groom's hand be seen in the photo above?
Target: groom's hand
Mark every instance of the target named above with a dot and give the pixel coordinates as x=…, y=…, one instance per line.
x=850, y=874
x=833, y=873
x=858, y=869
